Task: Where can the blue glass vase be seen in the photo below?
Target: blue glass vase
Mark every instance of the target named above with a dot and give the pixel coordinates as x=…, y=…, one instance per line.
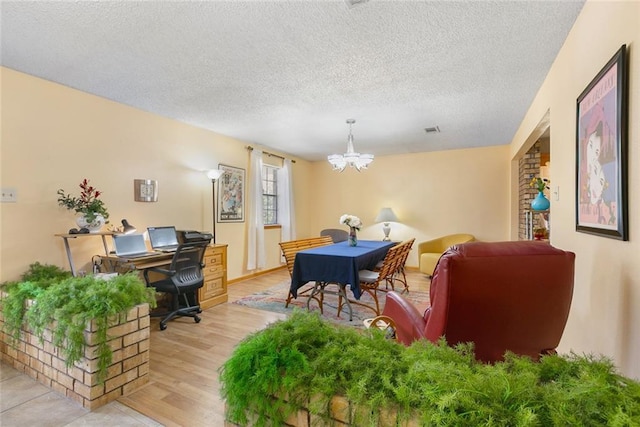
x=540, y=203
x=353, y=237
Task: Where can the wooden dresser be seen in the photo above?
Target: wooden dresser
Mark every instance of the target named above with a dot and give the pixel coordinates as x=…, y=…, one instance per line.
x=214, y=291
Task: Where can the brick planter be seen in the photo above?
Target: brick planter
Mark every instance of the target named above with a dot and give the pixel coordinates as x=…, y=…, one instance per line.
x=340, y=410
x=129, y=340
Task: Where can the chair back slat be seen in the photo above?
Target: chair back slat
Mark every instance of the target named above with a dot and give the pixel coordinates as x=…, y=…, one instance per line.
x=390, y=262
x=292, y=247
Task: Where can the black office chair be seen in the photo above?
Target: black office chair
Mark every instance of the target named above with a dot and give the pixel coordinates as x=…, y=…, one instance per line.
x=336, y=234
x=183, y=279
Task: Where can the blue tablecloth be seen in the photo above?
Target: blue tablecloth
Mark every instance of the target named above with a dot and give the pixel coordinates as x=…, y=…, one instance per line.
x=337, y=263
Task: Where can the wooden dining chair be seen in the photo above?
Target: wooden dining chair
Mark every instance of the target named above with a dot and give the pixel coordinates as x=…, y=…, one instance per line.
x=370, y=280
x=289, y=251
x=399, y=274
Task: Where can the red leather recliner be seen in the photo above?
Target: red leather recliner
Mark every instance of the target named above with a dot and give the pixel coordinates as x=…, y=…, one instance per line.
x=500, y=295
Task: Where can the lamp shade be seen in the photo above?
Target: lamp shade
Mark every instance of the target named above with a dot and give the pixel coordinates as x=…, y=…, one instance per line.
x=215, y=174
x=386, y=215
x=127, y=228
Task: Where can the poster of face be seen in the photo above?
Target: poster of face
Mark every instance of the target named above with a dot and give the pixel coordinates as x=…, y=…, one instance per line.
x=598, y=157
x=231, y=194
x=601, y=153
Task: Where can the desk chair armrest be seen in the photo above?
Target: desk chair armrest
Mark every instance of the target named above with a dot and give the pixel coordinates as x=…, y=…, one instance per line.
x=163, y=271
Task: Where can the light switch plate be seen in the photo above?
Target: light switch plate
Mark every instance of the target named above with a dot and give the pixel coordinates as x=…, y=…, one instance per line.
x=9, y=195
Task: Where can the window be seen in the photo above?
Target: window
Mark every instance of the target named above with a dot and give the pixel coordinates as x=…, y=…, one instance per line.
x=269, y=195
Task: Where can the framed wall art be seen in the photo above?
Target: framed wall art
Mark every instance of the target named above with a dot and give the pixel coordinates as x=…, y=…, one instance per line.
x=231, y=194
x=601, y=152
x=145, y=190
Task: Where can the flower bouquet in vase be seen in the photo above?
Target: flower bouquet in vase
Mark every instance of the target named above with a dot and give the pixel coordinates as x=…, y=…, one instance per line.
x=354, y=224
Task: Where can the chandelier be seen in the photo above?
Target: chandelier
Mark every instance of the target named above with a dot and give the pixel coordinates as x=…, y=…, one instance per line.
x=351, y=158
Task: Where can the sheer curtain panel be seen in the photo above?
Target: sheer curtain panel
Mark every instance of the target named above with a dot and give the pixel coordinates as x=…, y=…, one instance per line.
x=255, y=240
x=286, y=212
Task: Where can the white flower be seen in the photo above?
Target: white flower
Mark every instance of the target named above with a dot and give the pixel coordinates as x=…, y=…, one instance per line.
x=351, y=221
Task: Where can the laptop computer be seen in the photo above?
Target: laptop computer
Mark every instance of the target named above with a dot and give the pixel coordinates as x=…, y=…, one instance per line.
x=163, y=239
x=130, y=246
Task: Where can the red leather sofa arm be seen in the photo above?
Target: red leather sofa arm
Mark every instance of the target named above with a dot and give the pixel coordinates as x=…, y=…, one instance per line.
x=408, y=320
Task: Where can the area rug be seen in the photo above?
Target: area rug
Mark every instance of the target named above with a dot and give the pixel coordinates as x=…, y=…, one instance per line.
x=274, y=298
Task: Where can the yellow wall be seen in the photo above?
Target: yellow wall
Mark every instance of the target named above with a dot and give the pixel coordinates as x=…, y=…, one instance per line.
x=432, y=194
x=605, y=314
x=54, y=136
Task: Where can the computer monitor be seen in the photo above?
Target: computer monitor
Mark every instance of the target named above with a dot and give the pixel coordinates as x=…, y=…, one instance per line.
x=163, y=237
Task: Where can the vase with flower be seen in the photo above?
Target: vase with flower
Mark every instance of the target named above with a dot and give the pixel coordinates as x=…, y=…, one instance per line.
x=354, y=224
x=93, y=212
x=540, y=202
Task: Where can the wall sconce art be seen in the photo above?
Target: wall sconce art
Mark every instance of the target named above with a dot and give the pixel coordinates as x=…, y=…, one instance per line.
x=145, y=190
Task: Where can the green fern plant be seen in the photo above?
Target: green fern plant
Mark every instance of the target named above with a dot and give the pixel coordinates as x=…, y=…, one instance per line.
x=33, y=282
x=67, y=304
x=304, y=361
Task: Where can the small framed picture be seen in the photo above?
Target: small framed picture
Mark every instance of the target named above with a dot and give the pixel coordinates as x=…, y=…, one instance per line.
x=231, y=194
x=145, y=190
x=601, y=152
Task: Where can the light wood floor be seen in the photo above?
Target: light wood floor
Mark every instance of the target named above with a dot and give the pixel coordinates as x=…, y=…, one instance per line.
x=183, y=387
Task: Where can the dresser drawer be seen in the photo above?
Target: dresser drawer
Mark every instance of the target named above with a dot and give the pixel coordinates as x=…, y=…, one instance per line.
x=211, y=268
x=212, y=287
x=213, y=258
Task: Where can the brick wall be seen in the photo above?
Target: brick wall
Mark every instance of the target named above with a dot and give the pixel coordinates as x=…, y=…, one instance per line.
x=129, y=340
x=529, y=166
x=340, y=410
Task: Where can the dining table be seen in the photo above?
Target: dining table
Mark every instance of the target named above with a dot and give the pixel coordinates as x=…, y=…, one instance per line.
x=338, y=263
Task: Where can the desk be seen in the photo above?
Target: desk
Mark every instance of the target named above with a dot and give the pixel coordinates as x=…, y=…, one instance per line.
x=214, y=289
x=66, y=238
x=124, y=264
x=338, y=263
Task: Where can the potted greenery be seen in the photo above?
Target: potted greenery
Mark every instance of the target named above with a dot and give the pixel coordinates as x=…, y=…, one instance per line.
x=47, y=297
x=93, y=211
x=302, y=363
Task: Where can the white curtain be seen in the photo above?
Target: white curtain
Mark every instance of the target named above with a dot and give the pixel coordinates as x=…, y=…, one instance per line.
x=286, y=213
x=256, y=254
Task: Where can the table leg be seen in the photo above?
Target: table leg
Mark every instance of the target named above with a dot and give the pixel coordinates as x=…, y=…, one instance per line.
x=320, y=288
x=69, y=257
x=104, y=243
x=342, y=292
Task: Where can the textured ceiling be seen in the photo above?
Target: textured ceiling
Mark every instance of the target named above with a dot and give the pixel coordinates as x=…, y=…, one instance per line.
x=287, y=74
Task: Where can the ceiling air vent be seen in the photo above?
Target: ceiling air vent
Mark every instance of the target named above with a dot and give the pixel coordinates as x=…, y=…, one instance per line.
x=352, y=3
x=433, y=129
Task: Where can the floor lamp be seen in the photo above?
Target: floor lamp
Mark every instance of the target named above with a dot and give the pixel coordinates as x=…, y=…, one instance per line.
x=214, y=175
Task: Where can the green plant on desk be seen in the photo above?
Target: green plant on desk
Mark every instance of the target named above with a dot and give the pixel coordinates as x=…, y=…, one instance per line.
x=67, y=304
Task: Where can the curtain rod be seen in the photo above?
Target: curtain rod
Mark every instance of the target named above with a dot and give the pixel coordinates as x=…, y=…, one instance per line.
x=250, y=148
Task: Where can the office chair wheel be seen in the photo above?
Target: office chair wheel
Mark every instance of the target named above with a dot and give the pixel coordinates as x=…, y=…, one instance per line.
x=197, y=319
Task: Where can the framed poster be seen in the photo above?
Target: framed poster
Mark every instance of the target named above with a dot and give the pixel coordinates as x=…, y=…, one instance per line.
x=231, y=194
x=601, y=152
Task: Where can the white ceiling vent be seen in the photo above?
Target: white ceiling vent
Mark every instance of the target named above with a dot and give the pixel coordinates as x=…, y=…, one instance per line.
x=433, y=129
x=352, y=3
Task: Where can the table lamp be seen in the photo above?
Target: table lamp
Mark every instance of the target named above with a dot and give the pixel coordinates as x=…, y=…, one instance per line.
x=127, y=228
x=385, y=216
